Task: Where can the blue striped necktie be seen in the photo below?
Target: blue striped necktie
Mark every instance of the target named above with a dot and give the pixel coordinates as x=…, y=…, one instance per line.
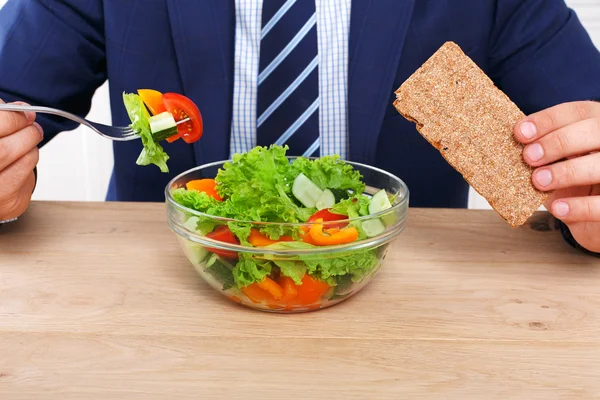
x=288, y=80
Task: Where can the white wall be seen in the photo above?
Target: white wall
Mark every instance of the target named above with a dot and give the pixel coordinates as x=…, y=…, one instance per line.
x=76, y=165
x=83, y=174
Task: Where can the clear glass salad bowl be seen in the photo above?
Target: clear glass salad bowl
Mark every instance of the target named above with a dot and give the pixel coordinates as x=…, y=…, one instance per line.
x=303, y=275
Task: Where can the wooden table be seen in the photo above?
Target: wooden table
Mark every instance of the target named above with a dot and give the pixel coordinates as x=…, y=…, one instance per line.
x=98, y=302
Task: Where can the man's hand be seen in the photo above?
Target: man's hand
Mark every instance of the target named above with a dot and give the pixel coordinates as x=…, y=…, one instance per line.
x=563, y=143
x=19, y=137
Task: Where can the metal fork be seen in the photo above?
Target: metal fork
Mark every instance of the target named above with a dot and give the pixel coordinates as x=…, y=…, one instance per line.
x=118, y=133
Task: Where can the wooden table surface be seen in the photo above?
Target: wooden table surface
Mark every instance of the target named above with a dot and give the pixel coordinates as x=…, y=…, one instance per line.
x=98, y=302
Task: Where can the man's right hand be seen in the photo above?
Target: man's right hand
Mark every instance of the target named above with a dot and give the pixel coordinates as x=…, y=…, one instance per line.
x=19, y=137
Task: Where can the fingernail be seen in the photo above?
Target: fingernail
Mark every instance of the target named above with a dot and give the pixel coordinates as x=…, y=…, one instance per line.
x=561, y=209
x=39, y=127
x=535, y=152
x=30, y=115
x=528, y=130
x=543, y=177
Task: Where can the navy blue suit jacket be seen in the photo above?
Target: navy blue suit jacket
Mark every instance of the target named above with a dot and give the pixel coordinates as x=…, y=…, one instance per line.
x=58, y=52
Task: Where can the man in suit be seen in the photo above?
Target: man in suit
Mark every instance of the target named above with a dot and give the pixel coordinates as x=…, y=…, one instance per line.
x=317, y=75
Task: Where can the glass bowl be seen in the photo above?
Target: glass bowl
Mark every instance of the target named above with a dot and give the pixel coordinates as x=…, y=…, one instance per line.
x=300, y=279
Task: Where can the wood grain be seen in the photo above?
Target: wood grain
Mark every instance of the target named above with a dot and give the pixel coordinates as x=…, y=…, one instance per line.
x=97, y=301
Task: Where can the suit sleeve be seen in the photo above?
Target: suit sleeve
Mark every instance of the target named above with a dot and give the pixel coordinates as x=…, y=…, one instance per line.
x=52, y=54
x=540, y=55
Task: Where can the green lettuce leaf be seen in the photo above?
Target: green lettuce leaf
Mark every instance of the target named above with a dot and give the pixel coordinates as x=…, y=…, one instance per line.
x=249, y=270
x=329, y=172
x=199, y=201
x=292, y=269
x=256, y=187
x=241, y=230
x=357, y=264
x=354, y=207
x=152, y=153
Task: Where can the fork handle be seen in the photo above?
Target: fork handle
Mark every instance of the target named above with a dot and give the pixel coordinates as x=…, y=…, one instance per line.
x=40, y=109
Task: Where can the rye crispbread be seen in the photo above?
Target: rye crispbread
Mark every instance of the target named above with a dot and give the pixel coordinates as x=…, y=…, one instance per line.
x=460, y=111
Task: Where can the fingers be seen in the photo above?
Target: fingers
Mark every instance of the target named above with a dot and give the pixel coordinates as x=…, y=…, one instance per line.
x=576, y=139
x=580, y=171
x=11, y=122
x=16, y=205
x=15, y=146
x=19, y=137
x=15, y=175
x=577, y=209
x=544, y=122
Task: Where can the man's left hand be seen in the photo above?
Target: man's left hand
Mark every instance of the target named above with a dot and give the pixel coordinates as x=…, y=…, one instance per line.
x=563, y=144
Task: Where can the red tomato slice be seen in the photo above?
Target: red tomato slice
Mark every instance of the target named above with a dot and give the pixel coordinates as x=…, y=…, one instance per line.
x=181, y=108
x=223, y=234
x=326, y=216
x=153, y=100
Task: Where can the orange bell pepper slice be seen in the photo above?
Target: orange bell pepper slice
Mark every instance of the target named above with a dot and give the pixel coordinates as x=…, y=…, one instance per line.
x=311, y=291
x=285, y=294
x=208, y=186
x=257, y=239
x=290, y=290
x=272, y=287
x=153, y=99
x=346, y=235
x=256, y=294
x=235, y=298
x=267, y=291
x=306, y=238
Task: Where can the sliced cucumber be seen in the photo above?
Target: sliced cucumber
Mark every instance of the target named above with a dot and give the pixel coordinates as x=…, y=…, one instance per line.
x=389, y=218
x=195, y=252
x=379, y=202
x=326, y=200
x=340, y=194
x=373, y=227
x=163, y=126
x=306, y=191
x=191, y=224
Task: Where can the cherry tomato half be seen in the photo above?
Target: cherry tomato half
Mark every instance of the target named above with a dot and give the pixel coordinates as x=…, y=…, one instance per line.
x=223, y=234
x=181, y=108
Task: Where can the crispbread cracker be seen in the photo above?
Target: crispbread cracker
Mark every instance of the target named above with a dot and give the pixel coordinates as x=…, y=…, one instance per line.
x=459, y=110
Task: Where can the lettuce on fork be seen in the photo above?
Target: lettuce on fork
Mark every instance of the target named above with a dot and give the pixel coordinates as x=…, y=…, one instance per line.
x=152, y=153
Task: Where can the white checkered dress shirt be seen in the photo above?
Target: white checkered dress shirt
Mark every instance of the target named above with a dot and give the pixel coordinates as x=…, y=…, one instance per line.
x=333, y=29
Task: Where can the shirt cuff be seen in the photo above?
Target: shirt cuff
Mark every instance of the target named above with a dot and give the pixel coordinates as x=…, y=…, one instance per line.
x=566, y=232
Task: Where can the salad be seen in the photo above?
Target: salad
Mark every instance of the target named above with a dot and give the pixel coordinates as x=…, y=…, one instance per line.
x=157, y=117
x=261, y=186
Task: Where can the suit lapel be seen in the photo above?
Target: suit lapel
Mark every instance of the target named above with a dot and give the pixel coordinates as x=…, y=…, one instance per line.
x=203, y=36
x=377, y=32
